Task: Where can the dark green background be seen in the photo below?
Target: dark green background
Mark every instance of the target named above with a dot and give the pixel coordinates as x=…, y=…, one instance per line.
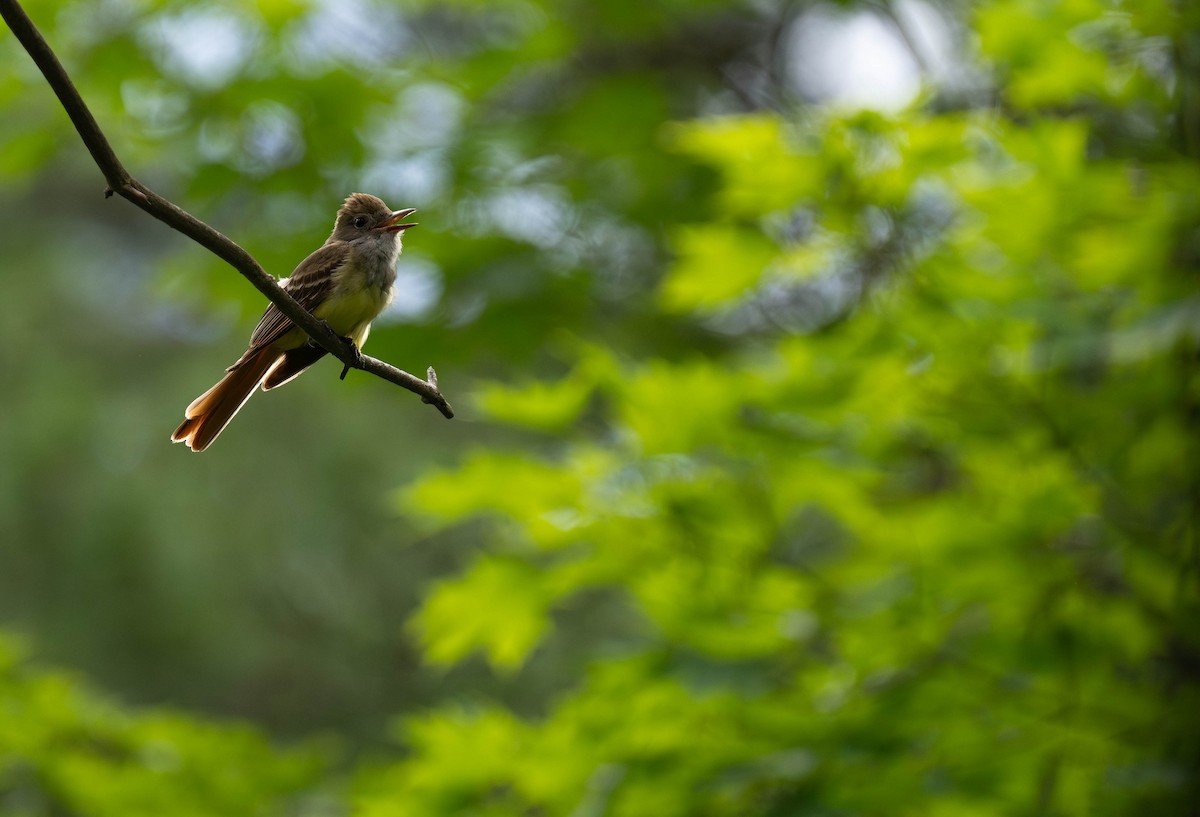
x=810, y=460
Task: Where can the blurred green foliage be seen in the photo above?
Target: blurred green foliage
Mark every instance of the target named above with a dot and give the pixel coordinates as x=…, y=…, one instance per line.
x=66, y=750
x=812, y=460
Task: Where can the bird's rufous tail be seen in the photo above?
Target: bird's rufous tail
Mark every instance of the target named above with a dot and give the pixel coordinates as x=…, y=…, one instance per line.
x=209, y=413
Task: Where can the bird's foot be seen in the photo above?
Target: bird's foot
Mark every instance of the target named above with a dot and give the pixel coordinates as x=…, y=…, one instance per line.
x=355, y=352
x=358, y=361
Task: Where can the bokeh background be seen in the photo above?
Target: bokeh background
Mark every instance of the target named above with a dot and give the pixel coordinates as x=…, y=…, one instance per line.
x=827, y=381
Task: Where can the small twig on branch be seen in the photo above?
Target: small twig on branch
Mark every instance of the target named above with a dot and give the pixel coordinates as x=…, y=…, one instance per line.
x=120, y=182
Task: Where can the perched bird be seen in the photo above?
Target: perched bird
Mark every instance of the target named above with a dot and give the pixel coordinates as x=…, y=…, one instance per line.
x=346, y=283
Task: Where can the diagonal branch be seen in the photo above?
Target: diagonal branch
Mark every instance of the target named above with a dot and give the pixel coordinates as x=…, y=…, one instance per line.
x=124, y=185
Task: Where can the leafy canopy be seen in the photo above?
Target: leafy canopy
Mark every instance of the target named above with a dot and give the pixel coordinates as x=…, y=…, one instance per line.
x=818, y=461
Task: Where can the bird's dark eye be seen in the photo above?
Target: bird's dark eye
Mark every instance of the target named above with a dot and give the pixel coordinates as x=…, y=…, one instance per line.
x=360, y=222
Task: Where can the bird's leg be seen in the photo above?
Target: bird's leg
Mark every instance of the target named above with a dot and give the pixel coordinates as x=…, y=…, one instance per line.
x=358, y=358
x=354, y=350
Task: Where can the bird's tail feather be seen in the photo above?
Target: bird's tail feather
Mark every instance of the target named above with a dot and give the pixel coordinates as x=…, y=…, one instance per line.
x=293, y=362
x=209, y=413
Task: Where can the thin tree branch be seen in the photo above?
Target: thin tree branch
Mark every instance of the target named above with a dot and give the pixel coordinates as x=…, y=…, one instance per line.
x=124, y=185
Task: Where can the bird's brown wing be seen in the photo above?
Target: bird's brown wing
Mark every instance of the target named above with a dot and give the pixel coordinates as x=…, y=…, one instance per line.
x=309, y=284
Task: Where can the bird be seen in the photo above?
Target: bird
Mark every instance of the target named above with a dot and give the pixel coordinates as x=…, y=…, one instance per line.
x=346, y=283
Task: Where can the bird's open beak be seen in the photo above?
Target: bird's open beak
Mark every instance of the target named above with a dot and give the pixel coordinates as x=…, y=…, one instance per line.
x=391, y=225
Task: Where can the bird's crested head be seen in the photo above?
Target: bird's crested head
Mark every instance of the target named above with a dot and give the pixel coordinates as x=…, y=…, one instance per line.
x=363, y=215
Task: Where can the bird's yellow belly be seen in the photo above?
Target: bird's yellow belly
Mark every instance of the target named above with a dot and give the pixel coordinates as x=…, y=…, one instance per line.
x=349, y=311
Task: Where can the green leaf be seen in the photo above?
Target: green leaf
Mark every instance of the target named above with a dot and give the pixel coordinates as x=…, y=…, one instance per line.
x=715, y=264
x=498, y=606
x=765, y=169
